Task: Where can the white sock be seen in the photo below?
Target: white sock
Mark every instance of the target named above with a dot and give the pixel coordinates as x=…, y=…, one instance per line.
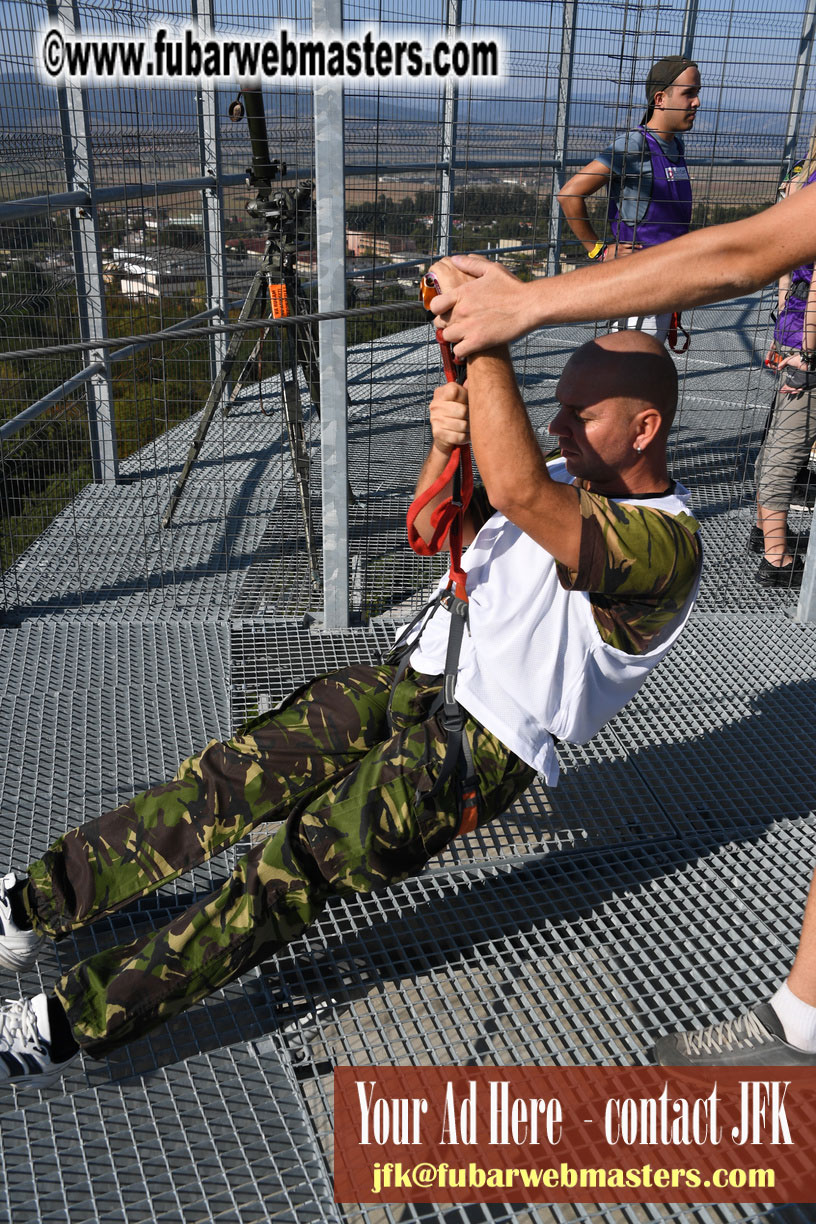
x=39, y=1005
x=798, y=1019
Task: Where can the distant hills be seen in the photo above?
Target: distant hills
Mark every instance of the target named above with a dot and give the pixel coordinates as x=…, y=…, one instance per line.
x=493, y=123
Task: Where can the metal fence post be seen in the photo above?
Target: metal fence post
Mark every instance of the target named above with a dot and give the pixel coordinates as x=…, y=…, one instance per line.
x=800, y=81
x=569, y=18
x=330, y=217
x=806, y=609
x=689, y=26
x=212, y=198
x=79, y=175
x=451, y=108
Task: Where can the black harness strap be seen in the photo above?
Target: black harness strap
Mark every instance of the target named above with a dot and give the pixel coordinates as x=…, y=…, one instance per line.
x=458, y=757
x=449, y=519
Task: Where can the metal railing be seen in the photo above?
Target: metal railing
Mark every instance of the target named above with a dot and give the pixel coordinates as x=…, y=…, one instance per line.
x=338, y=166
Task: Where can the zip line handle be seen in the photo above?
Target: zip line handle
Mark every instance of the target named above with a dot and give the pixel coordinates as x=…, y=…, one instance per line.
x=447, y=519
x=455, y=371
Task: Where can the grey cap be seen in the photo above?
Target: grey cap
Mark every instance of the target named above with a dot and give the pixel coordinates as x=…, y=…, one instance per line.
x=661, y=75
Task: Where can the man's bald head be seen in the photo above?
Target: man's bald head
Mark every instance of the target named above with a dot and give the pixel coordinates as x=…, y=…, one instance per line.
x=632, y=366
x=618, y=396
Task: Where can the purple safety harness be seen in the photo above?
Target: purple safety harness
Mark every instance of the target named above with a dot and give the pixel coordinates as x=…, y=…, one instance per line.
x=668, y=214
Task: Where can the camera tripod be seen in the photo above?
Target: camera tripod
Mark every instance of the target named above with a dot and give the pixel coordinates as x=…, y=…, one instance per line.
x=284, y=213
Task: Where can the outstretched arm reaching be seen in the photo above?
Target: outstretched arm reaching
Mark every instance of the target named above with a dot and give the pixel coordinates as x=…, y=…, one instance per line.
x=710, y=265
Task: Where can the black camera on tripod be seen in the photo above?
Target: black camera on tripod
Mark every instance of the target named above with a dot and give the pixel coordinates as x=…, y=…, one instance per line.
x=286, y=212
x=287, y=216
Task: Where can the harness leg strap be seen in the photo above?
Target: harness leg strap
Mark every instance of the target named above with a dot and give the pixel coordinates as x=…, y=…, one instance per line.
x=458, y=758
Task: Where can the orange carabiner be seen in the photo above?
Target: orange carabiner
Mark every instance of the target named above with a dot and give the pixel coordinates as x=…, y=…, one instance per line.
x=454, y=370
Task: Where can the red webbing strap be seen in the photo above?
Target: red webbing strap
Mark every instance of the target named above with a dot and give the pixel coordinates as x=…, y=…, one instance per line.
x=676, y=326
x=447, y=519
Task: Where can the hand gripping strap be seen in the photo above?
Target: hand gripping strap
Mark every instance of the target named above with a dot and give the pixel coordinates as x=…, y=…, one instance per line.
x=447, y=519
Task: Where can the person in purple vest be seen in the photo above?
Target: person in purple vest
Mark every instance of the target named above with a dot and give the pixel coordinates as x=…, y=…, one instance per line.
x=645, y=175
x=792, y=428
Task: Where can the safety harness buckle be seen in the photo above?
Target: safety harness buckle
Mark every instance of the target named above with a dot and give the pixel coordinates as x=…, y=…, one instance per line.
x=452, y=716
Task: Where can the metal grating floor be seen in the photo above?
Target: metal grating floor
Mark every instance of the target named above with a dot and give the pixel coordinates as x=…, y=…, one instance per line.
x=629, y=901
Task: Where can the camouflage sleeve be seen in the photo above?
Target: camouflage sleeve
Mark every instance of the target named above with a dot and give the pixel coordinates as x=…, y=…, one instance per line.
x=638, y=566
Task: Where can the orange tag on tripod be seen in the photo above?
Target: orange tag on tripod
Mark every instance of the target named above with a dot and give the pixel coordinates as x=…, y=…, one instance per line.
x=279, y=300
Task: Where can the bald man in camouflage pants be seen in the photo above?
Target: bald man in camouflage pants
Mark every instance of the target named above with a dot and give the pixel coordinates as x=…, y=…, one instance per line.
x=593, y=564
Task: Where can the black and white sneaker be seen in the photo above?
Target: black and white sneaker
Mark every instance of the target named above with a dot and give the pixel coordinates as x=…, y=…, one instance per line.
x=755, y=1039
x=18, y=949
x=25, y=1043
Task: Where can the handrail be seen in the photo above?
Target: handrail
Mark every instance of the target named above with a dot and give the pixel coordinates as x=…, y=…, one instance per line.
x=30, y=206
x=35, y=410
x=9, y=428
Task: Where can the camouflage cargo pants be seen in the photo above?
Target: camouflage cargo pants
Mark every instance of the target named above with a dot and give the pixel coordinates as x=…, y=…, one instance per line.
x=344, y=784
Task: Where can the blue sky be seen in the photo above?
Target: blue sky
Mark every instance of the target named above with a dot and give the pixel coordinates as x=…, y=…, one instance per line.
x=746, y=50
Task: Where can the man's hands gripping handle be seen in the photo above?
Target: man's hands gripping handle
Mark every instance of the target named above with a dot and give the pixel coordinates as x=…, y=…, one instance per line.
x=451, y=436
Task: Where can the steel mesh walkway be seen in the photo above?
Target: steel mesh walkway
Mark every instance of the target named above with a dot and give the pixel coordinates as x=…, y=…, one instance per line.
x=660, y=885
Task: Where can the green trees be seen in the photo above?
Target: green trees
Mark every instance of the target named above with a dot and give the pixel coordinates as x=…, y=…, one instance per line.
x=49, y=461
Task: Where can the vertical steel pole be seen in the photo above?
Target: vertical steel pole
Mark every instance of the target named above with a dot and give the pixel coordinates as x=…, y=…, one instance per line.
x=451, y=108
x=800, y=81
x=212, y=198
x=689, y=27
x=569, y=19
x=331, y=295
x=79, y=175
x=806, y=610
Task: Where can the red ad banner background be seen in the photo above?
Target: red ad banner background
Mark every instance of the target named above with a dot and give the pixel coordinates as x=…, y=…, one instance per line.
x=575, y=1134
